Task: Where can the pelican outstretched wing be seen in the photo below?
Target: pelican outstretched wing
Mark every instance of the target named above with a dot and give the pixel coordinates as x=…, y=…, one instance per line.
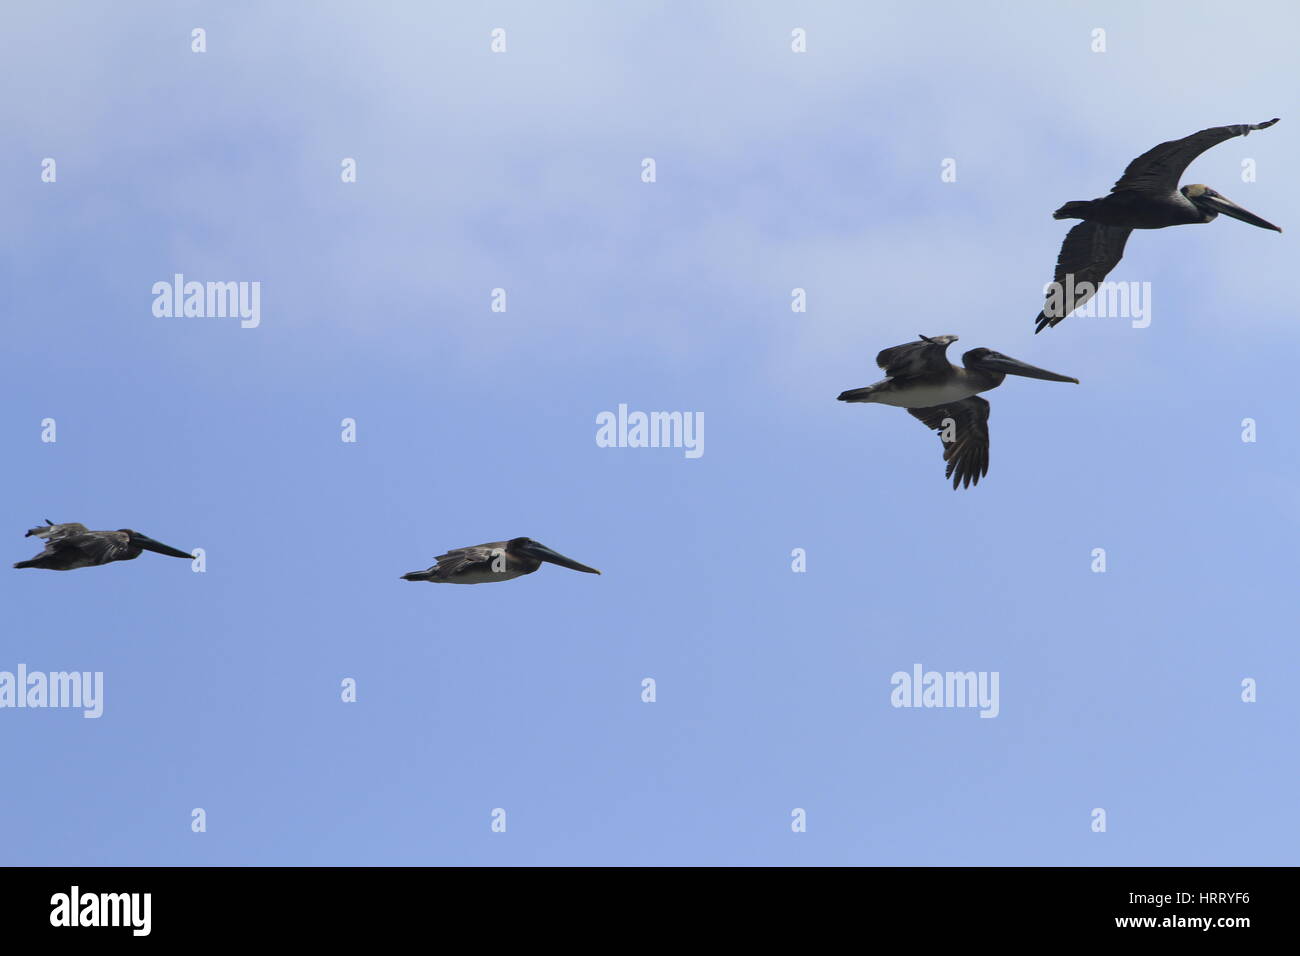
x=967, y=454
x=1088, y=254
x=916, y=358
x=1159, y=169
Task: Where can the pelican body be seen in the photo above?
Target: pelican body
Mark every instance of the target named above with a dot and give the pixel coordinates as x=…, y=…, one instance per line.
x=494, y=561
x=70, y=546
x=944, y=397
x=1147, y=196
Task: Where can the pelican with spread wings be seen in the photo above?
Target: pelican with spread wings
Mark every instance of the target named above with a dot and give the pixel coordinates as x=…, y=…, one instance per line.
x=1145, y=197
x=72, y=545
x=494, y=561
x=920, y=378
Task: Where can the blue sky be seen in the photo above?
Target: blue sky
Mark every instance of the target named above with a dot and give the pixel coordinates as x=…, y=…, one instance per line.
x=521, y=171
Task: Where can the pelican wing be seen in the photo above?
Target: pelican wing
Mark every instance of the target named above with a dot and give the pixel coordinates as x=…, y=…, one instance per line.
x=967, y=454
x=458, y=559
x=100, y=547
x=51, y=547
x=916, y=358
x=1159, y=169
x=1089, y=252
x=54, y=532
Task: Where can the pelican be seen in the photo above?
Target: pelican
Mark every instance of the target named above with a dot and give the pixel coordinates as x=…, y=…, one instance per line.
x=920, y=378
x=1145, y=197
x=494, y=561
x=72, y=545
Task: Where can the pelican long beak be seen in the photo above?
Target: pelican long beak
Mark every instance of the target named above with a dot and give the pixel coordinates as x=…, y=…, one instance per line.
x=157, y=547
x=1010, y=366
x=543, y=553
x=1216, y=202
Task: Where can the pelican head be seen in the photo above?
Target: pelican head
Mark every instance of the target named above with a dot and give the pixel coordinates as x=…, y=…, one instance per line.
x=149, y=544
x=535, y=549
x=39, y=531
x=1212, y=202
x=1000, y=364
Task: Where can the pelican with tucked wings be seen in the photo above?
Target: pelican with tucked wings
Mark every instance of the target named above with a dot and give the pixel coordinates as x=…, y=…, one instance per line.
x=494, y=561
x=920, y=378
x=1145, y=197
x=72, y=545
